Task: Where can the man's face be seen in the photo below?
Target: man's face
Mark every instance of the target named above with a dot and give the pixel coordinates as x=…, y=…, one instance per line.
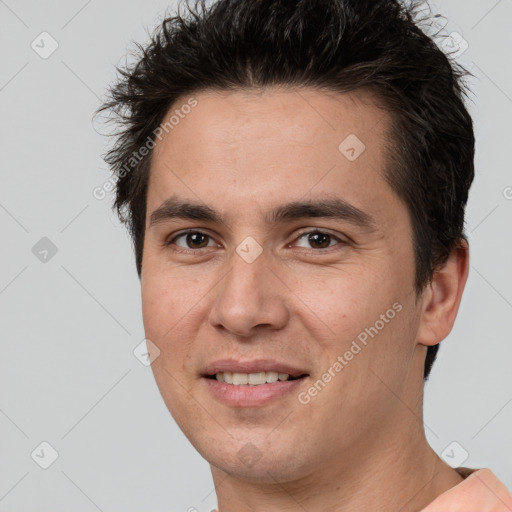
x=296, y=294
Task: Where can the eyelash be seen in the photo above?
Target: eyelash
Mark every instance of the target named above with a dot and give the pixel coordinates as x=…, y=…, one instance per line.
x=300, y=235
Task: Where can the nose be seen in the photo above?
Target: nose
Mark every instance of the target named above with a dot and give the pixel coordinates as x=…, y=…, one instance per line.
x=251, y=295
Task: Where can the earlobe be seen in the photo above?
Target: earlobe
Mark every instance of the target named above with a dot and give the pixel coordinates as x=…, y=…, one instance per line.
x=441, y=299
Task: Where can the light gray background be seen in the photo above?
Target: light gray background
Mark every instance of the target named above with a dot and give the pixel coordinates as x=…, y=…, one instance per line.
x=69, y=326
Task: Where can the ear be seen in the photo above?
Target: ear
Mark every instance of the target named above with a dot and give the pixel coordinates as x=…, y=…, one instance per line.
x=441, y=298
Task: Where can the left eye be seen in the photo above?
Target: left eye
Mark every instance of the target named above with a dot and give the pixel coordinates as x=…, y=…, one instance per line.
x=319, y=239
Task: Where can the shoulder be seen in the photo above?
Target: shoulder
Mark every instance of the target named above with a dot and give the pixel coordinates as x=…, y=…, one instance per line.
x=480, y=491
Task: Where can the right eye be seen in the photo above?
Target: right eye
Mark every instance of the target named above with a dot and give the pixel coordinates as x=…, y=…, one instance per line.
x=192, y=237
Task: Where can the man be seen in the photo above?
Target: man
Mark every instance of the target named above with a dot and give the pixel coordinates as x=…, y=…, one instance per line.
x=294, y=176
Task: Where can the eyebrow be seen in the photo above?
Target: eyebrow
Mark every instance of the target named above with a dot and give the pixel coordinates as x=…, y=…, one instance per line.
x=331, y=208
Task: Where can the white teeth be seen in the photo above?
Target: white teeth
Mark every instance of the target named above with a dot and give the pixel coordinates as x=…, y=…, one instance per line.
x=239, y=378
x=272, y=377
x=256, y=378
x=251, y=379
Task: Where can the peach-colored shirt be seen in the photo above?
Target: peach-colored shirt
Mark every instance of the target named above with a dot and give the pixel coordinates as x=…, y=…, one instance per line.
x=480, y=491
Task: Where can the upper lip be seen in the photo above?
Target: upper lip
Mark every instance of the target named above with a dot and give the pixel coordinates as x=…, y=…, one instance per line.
x=252, y=366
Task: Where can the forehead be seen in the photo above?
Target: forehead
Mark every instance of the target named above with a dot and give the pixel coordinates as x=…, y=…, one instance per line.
x=236, y=119
x=257, y=147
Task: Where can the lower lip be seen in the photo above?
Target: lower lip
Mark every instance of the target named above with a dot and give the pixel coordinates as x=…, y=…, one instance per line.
x=251, y=396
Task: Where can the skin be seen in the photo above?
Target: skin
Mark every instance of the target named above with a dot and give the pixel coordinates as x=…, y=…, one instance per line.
x=359, y=444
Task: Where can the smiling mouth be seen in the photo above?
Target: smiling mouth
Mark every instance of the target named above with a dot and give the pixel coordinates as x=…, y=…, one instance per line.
x=253, y=379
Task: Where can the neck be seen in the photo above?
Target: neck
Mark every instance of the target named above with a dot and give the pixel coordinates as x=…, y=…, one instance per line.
x=404, y=479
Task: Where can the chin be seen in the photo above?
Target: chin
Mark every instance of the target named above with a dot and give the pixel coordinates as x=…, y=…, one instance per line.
x=256, y=461
x=260, y=473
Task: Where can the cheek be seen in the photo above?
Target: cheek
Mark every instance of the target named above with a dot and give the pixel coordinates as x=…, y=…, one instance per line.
x=169, y=301
x=169, y=305
x=366, y=320
x=346, y=301
x=173, y=310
